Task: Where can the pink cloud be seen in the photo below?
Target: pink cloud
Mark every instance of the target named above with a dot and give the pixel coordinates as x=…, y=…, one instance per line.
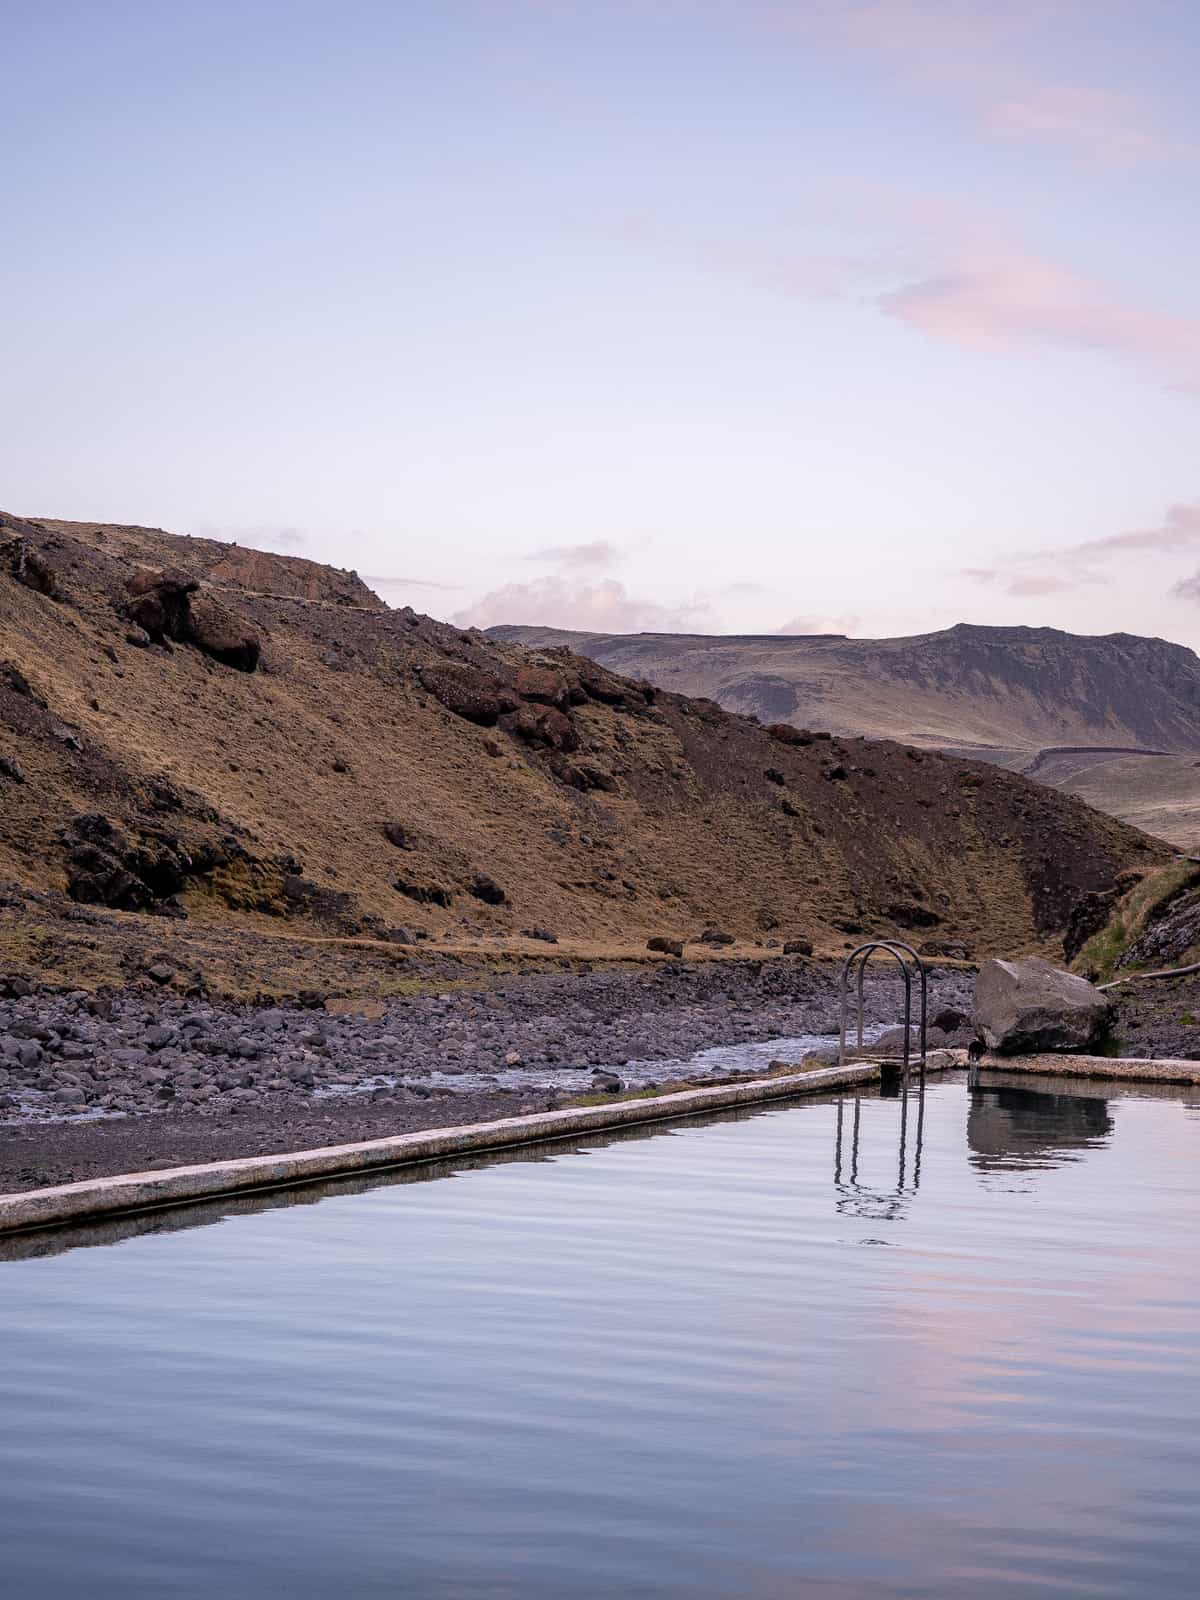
x=1110, y=127
x=986, y=58
x=1001, y=296
x=947, y=273
x=1059, y=567
x=605, y=606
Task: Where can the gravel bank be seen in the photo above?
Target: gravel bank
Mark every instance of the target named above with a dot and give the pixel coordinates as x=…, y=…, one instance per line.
x=90, y=1086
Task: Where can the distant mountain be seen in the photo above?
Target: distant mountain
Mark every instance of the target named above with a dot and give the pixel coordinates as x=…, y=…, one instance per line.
x=1009, y=695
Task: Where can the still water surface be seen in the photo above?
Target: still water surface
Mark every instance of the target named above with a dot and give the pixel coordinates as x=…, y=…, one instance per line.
x=735, y=1359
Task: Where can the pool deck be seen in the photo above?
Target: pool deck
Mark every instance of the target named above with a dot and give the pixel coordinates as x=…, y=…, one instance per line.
x=142, y=1191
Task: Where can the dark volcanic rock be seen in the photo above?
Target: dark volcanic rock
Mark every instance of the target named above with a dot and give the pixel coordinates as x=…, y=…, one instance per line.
x=468, y=692
x=425, y=894
x=168, y=605
x=29, y=567
x=487, y=890
x=543, y=726
x=1167, y=939
x=546, y=684
x=218, y=630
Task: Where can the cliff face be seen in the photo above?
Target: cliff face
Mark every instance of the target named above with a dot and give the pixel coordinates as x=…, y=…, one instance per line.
x=1003, y=688
x=248, y=740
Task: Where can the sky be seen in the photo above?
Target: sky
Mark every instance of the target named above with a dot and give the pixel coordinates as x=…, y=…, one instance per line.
x=867, y=316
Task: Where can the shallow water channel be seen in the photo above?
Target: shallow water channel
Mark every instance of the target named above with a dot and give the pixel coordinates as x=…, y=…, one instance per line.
x=830, y=1348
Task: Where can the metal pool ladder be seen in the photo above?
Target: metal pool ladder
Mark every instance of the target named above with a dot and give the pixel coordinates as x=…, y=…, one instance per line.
x=912, y=968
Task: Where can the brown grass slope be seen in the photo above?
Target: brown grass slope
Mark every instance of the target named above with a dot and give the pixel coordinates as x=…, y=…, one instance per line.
x=1036, y=700
x=612, y=815
x=1017, y=688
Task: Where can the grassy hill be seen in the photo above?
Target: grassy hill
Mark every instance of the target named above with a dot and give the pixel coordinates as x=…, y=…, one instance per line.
x=200, y=743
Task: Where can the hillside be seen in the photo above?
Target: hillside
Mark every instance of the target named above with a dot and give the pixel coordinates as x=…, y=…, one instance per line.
x=198, y=741
x=1000, y=694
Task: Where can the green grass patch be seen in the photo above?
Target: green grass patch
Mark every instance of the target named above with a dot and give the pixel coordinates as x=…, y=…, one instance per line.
x=1132, y=914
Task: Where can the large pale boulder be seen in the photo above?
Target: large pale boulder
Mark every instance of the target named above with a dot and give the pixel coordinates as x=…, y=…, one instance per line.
x=1029, y=1005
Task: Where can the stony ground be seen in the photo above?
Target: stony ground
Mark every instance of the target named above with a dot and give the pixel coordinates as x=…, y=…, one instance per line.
x=1159, y=1018
x=91, y=1085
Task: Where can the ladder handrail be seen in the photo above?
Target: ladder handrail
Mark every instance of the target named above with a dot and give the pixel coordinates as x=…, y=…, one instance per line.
x=903, y=954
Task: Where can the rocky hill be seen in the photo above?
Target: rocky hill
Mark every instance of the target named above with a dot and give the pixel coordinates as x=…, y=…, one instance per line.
x=1002, y=694
x=199, y=742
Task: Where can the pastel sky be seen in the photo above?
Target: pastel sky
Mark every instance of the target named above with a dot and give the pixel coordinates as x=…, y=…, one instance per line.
x=727, y=315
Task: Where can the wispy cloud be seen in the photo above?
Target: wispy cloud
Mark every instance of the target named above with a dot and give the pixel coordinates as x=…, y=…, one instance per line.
x=1059, y=567
x=596, y=555
x=280, y=538
x=1113, y=129
x=848, y=622
x=407, y=583
x=1003, y=297
x=604, y=606
x=947, y=273
x=988, y=59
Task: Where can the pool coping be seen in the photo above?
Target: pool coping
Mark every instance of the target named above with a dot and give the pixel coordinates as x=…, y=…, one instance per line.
x=126, y=1192
x=1128, y=1069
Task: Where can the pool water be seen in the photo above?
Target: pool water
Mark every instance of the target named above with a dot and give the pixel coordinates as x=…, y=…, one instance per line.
x=844, y=1349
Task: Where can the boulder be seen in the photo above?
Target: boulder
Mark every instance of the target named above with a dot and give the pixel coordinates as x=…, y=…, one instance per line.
x=425, y=894
x=583, y=775
x=1028, y=1005
x=544, y=727
x=168, y=605
x=488, y=890
x=29, y=567
x=476, y=696
x=545, y=684
x=158, y=602
x=908, y=914
x=221, y=633
x=716, y=936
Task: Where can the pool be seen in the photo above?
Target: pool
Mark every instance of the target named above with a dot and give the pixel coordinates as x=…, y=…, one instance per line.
x=834, y=1349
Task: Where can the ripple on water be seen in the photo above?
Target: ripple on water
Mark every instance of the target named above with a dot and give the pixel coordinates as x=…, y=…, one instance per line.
x=683, y=1362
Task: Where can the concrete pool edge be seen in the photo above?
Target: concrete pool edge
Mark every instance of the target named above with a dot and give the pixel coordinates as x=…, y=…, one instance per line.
x=1123, y=1069
x=32, y=1209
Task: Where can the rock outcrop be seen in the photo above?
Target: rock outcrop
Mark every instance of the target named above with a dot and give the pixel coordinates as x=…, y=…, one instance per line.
x=1026, y=1006
x=169, y=605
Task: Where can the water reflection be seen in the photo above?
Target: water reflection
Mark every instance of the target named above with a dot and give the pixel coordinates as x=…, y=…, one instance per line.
x=1015, y=1128
x=876, y=1159
x=855, y=1196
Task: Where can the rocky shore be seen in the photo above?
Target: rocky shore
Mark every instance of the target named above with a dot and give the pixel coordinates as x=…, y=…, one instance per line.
x=101, y=1083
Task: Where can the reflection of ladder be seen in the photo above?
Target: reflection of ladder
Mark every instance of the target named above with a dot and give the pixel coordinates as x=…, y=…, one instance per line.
x=856, y=1198
x=911, y=966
